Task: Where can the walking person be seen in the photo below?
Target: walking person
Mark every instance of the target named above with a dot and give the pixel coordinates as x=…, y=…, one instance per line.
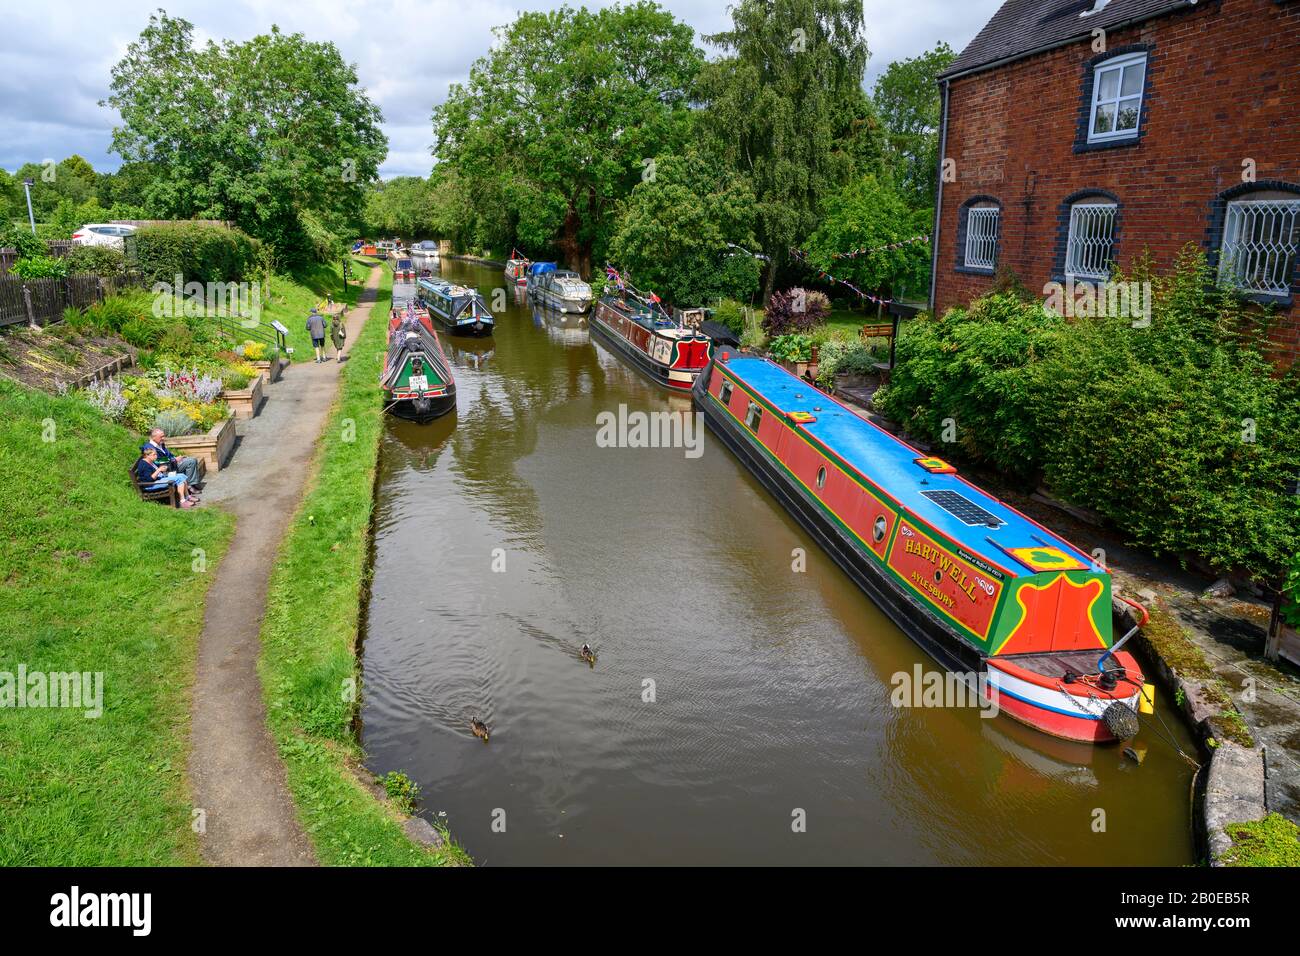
x=316, y=326
x=339, y=333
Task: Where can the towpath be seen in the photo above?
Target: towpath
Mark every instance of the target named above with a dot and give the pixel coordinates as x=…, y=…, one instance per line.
x=236, y=775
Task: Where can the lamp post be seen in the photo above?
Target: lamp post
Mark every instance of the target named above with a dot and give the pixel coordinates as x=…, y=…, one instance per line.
x=27, y=188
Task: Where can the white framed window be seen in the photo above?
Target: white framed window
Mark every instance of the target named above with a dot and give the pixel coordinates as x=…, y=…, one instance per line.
x=1092, y=240
x=1261, y=241
x=1117, y=86
x=981, y=237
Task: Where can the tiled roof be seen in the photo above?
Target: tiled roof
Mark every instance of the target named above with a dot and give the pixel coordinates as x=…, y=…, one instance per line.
x=1024, y=26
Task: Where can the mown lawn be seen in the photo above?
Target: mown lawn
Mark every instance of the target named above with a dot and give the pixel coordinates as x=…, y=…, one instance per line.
x=92, y=579
x=292, y=297
x=309, y=634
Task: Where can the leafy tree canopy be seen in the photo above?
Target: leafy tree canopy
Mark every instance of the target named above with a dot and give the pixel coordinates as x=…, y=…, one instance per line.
x=907, y=99
x=272, y=133
x=785, y=106
x=555, y=124
x=673, y=231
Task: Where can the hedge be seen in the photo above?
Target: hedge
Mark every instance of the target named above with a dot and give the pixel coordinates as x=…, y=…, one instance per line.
x=199, y=253
x=1182, y=433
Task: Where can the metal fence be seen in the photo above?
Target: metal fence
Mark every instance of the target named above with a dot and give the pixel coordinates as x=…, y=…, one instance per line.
x=42, y=301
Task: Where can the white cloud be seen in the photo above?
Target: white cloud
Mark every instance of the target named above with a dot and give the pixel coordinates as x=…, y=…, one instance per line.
x=55, y=60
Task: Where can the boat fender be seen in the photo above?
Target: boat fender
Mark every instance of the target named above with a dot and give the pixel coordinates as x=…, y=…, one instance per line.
x=1121, y=720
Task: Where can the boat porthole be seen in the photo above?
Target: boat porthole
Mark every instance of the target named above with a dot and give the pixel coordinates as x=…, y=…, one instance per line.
x=821, y=477
x=938, y=577
x=879, y=528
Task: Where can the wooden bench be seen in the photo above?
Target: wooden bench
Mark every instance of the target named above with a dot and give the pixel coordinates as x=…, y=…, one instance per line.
x=166, y=493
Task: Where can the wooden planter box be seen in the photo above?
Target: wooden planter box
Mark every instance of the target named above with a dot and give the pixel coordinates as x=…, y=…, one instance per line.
x=246, y=402
x=212, y=448
x=800, y=369
x=271, y=370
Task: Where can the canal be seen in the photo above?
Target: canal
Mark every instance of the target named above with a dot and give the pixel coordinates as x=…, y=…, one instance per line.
x=505, y=539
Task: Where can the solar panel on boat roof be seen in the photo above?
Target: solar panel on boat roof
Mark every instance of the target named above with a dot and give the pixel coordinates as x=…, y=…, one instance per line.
x=963, y=509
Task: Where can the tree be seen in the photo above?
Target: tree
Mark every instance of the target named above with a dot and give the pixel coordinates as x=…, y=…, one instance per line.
x=868, y=214
x=272, y=133
x=785, y=107
x=907, y=99
x=672, y=232
x=559, y=121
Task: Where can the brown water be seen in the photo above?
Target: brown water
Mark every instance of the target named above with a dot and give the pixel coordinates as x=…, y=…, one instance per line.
x=771, y=687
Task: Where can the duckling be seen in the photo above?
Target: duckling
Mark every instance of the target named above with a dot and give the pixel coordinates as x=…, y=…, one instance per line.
x=588, y=655
x=480, y=729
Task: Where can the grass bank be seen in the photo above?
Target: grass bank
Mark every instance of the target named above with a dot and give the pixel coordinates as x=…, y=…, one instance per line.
x=95, y=581
x=309, y=665
x=292, y=297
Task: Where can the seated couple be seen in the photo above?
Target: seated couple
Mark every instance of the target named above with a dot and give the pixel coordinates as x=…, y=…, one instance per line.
x=157, y=467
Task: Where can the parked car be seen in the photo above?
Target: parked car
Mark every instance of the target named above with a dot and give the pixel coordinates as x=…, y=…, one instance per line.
x=101, y=234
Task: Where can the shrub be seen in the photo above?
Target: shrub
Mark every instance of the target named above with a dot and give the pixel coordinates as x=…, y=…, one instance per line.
x=842, y=355
x=40, y=267
x=795, y=310
x=198, y=253
x=175, y=422
x=791, y=348
x=731, y=314
x=27, y=244
x=1179, y=432
x=100, y=260
x=107, y=397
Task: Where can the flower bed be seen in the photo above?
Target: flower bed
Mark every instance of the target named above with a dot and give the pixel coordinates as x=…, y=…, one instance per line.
x=245, y=402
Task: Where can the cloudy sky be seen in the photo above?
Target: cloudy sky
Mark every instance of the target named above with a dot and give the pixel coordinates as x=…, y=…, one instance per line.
x=55, y=57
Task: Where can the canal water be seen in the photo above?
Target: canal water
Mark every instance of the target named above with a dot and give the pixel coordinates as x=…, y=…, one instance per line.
x=739, y=710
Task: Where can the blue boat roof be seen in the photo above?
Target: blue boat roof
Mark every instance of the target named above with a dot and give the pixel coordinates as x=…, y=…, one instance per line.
x=892, y=464
x=537, y=268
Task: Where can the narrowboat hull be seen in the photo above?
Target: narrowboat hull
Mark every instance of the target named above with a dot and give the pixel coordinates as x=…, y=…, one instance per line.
x=460, y=310
x=670, y=375
x=422, y=411
x=1028, y=687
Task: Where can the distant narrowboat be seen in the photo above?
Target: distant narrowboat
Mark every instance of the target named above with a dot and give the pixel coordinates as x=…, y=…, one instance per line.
x=517, y=269
x=417, y=381
x=650, y=341
x=460, y=309
x=983, y=589
x=403, y=270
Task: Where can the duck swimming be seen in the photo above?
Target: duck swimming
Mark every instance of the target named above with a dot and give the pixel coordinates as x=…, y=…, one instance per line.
x=588, y=655
x=480, y=729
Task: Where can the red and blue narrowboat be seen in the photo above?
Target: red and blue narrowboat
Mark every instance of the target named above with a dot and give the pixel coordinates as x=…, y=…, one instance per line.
x=649, y=340
x=983, y=589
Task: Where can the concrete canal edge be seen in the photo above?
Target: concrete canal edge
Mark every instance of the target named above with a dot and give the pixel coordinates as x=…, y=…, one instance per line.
x=310, y=666
x=1229, y=787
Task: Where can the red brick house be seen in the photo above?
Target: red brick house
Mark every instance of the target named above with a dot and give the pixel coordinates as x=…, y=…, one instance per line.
x=1078, y=133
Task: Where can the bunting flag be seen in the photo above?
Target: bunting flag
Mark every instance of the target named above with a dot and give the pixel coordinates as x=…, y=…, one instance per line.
x=802, y=256
x=856, y=253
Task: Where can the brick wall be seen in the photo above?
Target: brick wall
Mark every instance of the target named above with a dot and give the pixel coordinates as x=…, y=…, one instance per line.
x=1223, y=86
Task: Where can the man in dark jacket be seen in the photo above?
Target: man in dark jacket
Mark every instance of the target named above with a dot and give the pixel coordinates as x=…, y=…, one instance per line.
x=316, y=326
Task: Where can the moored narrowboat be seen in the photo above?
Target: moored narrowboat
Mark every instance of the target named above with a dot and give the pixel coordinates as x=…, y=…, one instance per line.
x=416, y=381
x=650, y=341
x=986, y=591
x=459, y=308
x=517, y=268
x=403, y=270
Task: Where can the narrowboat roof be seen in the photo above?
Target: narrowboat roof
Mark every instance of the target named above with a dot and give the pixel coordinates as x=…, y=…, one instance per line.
x=893, y=465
